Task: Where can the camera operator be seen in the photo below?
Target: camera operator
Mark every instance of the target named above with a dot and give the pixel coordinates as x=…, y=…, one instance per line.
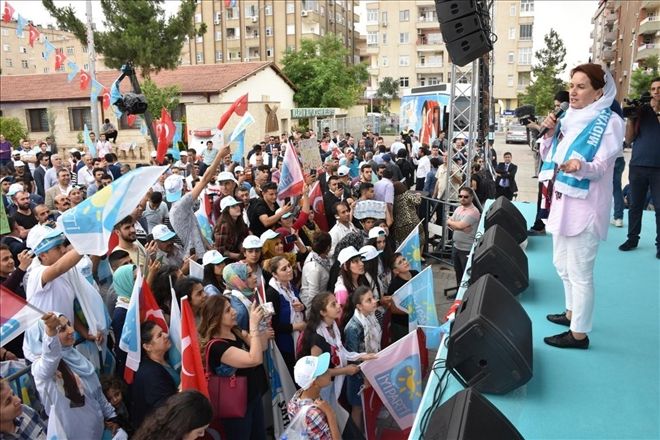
x=643, y=132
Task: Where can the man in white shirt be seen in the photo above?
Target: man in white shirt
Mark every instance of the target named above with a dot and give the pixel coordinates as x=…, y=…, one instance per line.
x=396, y=146
x=103, y=146
x=86, y=173
x=343, y=226
x=423, y=167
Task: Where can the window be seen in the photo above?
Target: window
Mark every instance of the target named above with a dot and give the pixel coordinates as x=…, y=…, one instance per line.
x=372, y=15
x=5, y=32
x=198, y=18
x=512, y=33
x=84, y=49
x=383, y=17
x=322, y=11
x=384, y=62
x=200, y=57
x=512, y=10
x=233, y=13
x=269, y=52
x=523, y=81
x=404, y=38
x=78, y=117
x=218, y=35
x=404, y=15
x=37, y=119
x=22, y=49
x=384, y=38
x=86, y=67
x=8, y=62
x=404, y=60
x=268, y=10
x=24, y=64
x=526, y=6
x=269, y=31
x=251, y=11
x=404, y=81
x=372, y=38
x=218, y=55
x=218, y=18
x=199, y=39
x=290, y=8
x=46, y=69
x=526, y=32
x=525, y=56
x=70, y=50
x=5, y=47
x=511, y=57
x=509, y=80
x=291, y=29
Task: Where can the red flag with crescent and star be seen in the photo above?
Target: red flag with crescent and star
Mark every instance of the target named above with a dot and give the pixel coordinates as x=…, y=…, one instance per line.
x=149, y=309
x=192, y=371
x=131, y=120
x=60, y=58
x=7, y=12
x=316, y=200
x=239, y=107
x=106, y=98
x=84, y=80
x=34, y=35
x=165, y=130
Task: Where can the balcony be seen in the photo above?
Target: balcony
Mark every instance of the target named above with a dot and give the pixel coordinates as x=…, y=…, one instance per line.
x=650, y=5
x=609, y=37
x=429, y=42
x=429, y=67
x=312, y=15
x=650, y=25
x=373, y=70
x=427, y=21
x=607, y=55
x=646, y=50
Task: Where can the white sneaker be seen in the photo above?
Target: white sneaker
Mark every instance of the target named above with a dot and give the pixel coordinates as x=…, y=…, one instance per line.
x=618, y=222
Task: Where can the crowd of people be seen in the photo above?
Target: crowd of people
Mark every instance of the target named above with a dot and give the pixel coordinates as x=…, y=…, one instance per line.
x=316, y=283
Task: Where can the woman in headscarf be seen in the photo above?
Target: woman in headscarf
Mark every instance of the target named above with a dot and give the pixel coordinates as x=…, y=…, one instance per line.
x=122, y=281
x=241, y=281
x=579, y=150
x=66, y=381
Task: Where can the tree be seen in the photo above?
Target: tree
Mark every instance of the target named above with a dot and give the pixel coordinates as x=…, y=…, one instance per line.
x=158, y=98
x=321, y=74
x=388, y=90
x=13, y=130
x=550, y=64
x=136, y=31
x=640, y=80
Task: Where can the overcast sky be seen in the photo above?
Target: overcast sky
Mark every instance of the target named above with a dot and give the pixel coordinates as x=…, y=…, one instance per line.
x=570, y=18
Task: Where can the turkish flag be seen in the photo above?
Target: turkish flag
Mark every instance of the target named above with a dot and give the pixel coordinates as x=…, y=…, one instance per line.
x=106, y=98
x=7, y=13
x=59, y=60
x=192, y=371
x=84, y=80
x=149, y=309
x=131, y=120
x=316, y=200
x=165, y=130
x=34, y=35
x=239, y=107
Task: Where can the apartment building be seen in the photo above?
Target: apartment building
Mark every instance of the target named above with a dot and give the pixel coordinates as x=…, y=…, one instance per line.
x=263, y=30
x=513, y=23
x=18, y=58
x=405, y=43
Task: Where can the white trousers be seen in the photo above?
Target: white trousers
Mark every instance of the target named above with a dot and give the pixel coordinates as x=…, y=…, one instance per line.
x=574, y=259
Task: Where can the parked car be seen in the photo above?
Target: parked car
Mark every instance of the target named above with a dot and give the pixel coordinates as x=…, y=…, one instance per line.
x=516, y=134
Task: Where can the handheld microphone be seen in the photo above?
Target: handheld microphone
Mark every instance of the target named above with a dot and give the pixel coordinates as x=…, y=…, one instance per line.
x=558, y=114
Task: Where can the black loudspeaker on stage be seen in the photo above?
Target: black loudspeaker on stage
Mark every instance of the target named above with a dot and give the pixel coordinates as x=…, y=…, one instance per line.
x=490, y=344
x=464, y=29
x=497, y=253
x=503, y=213
x=468, y=415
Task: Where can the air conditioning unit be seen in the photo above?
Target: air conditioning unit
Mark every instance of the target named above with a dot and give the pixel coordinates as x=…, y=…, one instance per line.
x=246, y=60
x=384, y=24
x=303, y=13
x=217, y=21
x=255, y=19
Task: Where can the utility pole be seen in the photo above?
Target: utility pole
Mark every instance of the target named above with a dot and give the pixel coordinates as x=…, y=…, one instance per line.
x=92, y=67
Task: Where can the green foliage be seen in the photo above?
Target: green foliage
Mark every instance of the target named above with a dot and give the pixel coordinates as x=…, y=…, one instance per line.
x=388, y=90
x=640, y=80
x=550, y=64
x=158, y=98
x=322, y=76
x=136, y=30
x=13, y=130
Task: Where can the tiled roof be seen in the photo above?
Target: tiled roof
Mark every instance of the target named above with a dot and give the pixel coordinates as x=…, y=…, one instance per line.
x=200, y=79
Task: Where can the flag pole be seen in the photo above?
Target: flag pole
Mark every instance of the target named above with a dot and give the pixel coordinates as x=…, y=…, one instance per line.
x=92, y=66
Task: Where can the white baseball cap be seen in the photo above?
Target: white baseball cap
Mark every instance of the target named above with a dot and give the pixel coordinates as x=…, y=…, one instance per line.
x=377, y=232
x=309, y=368
x=268, y=234
x=162, y=233
x=19, y=163
x=369, y=252
x=239, y=169
x=228, y=201
x=213, y=257
x=183, y=153
x=14, y=188
x=347, y=253
x=73, y=150
x=42, y=239
x=224, y=176
x=173, y=187
x=343, y=171
x=252, y=242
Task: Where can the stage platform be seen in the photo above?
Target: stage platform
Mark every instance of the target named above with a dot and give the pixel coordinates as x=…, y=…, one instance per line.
x=611, y=390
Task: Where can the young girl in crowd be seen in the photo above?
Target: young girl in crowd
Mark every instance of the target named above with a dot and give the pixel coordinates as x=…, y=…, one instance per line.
x=230, y=229
x=401, y=274
x=351, y=275
x=114, y=390
x=214, y=264
x=362, y=334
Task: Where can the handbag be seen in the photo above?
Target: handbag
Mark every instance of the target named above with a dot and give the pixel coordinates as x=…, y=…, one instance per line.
x=228, y=394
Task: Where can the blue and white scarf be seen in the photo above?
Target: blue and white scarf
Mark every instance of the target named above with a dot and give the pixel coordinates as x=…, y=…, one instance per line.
x=583, y=148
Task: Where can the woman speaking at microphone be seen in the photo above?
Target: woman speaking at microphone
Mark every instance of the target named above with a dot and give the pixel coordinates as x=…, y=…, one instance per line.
x=579, y=150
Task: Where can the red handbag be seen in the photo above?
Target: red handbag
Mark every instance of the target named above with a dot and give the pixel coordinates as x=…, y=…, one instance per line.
x=228, y=394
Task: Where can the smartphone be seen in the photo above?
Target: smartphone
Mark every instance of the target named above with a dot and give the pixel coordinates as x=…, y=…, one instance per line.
x=290, y=239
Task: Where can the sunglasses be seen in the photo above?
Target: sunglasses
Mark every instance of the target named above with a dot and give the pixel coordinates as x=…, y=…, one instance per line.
x=463, y=197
